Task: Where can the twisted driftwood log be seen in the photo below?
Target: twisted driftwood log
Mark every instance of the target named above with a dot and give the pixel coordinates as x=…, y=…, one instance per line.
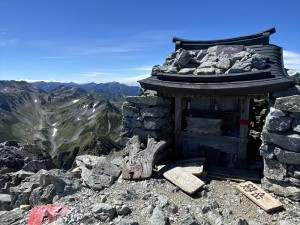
x=138, y=163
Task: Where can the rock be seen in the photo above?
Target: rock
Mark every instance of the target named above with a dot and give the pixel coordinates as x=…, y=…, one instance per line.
x=274, y=170
x=103, y=211
x=200, y=55
x=13, y=217
x=253, y=222
x=5, y=202
x=207, y=64
x=158, y=111
x=37, y=165
x=100, y=174
x=241, y=222
x=129, y=195
x=186, y=71
x=286, y=222
x=130, y=122
x=275, y=123
x=214, y=217
x=213, y=49
x=25, y=207
x=171, y=56
x=204, y=71
x=151, y=123
x=149, y=100
x=294, y=181
x=123, y=210
x=183, y=57
x=127, y=222
x=296, y=124
x=282, y=189
x=157, y=217
x=267, y=150
x=155, y=70
x=189, y=219
x=63, y=184
x=223, y=64
x=130, y=111
x=295, y=75
x=144, y=133
x=258, y=62
x=290, y=103
x=285, y=140
x=239, y=56
x=209, y=58
x=210, y=206
x=276, y=112
x=240, y=67
x=287, y=156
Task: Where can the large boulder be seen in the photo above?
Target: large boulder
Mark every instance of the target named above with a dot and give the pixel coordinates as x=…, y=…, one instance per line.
x=97, y=172
x=288, y=141
x=290, y=103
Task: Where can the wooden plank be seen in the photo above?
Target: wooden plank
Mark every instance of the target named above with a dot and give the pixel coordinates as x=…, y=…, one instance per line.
x=193, y=166
x=184, y=180
x=259, y=196
x=234, y=174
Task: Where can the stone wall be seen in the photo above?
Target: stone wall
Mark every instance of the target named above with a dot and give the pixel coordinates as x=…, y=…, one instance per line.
x=281, y=147
x=146, y=115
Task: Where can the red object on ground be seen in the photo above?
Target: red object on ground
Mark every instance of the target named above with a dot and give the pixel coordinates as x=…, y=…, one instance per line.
x=43, y=214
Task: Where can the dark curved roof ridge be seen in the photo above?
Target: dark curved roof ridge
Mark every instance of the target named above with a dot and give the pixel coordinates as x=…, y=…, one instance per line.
x=252, y=39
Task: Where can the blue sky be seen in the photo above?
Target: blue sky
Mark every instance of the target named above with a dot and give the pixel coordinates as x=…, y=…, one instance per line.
x=101, y=41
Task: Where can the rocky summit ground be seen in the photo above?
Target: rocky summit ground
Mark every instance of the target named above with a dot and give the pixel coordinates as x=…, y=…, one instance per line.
x=96, y=194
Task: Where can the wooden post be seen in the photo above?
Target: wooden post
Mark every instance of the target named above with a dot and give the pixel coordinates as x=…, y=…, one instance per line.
x=244, y=105
x=178, y=123
x=178, y=113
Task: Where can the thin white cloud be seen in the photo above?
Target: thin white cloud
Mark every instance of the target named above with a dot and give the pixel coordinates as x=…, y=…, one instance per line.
x=97, y=74
x=291, y=60
x=3, y=31
x=133, y=80
x=9, y=42
x=142, y=68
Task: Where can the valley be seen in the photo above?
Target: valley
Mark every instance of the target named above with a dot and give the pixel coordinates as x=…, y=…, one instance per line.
x=61, y=121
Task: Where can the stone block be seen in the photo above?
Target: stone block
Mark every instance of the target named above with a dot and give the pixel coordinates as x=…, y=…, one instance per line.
x=296, y=124
x=151, y=123
x=149, y=100
x=275, y=170
x=276, y=123
x=282, y=189
x=130, y=111
x=287, y=156
x=267, y=151
x=288, y=141
x=290, y=103
x=158, y=111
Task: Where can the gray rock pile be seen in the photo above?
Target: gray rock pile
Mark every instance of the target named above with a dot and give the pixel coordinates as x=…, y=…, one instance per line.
x=146, y=115
x=214, y=60
x=281, y=148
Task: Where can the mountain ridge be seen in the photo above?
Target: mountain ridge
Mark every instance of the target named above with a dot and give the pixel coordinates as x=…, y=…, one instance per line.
x=112, y=88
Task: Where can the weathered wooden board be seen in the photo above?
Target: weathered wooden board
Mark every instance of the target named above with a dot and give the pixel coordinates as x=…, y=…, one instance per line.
x=193, y=166
x=184, y=180
x=259, y=196
x=138, y=163
x=234, y=173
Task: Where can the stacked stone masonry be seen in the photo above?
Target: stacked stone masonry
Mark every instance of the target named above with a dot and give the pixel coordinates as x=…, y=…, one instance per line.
x=281, y=148
x=146, y=116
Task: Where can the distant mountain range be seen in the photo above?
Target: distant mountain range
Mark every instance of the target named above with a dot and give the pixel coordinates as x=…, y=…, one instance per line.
x=65, y=120
x=111, y=88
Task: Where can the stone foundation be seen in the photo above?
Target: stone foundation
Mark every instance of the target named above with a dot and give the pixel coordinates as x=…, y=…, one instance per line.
x=280, y=147
x=146, y=115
